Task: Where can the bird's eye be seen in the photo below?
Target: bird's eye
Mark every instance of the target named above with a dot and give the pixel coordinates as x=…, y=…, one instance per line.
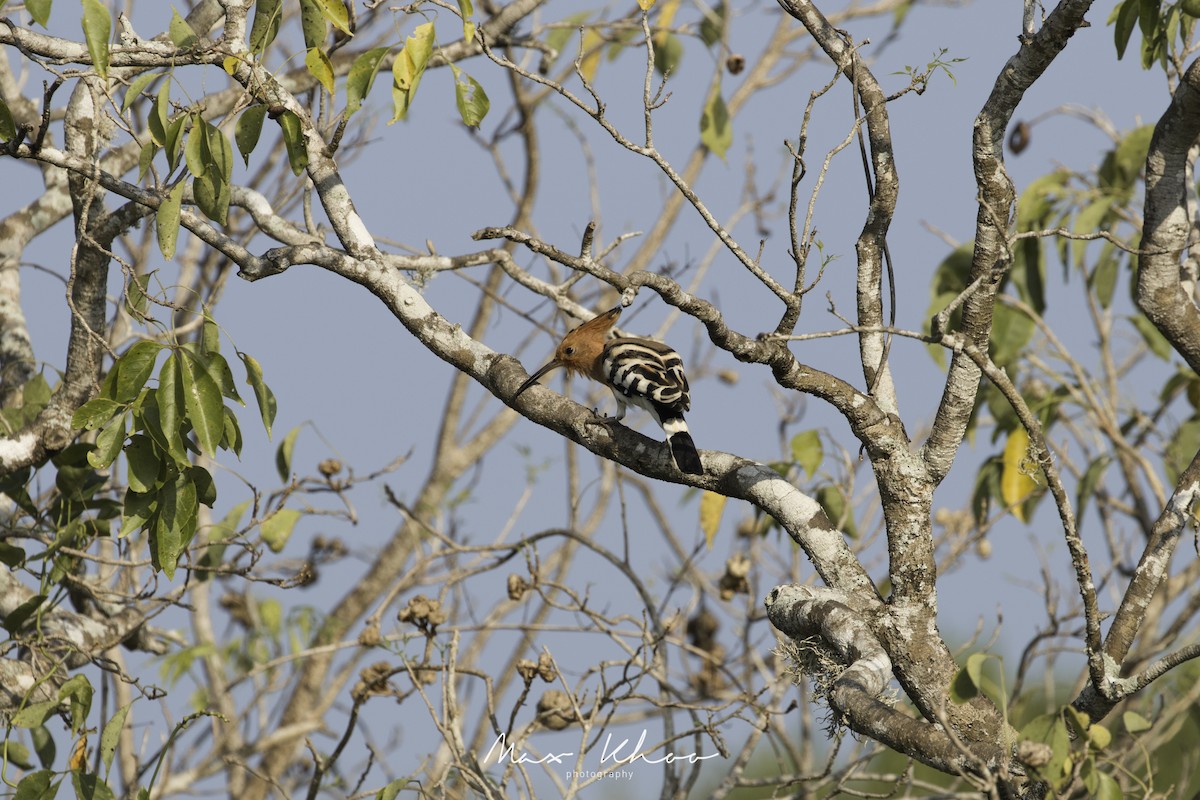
x=568, y=351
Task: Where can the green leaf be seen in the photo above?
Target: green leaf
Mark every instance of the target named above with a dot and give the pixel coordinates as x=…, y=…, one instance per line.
x=108, y=443
x=1178, y=455
x=11, y=555
x=1135, y=722
x=1126, y=16
x=180, y=31
x=171, y=407
x=1011, y=331
x=137, y=364
x=138, y=85
x=111, y=735
x=293, y=139
x=16, y=753
x=43, y=745
x=218, y=368
x=1157, y=343
x=224, y=530
x=143, y=464
x=392, y=790
x=1051, y=730
x=716, y=128
x=1090, y=220
x=1148, y=17
x=79, y=691
x=270, y=615
x=1108, y=788
x=1087, y=485
x=283, y=455
x=277, y=528
x=193, y=152
x=146, y=159
x=231, y=435
x=33, y=714
x=807, y=451
x=95, y=412
x=8, y=127
x=668, y=52
x=361, y=78
x=833, y=502
x=712, y=24
x=1039, y=200
x=166, y=220
x=160, y=114
x=137, y=303
x=1118, y=173
x=213, y=167
x=1154, y=49
x=267, y=15
x=1103, y=280
x=38, y=785
x=320, y=68
x=97, y=30
x=962, y=688
x=212, y=196
x=206, y=490
x=228, y=527
x=36, y=391
x=312, y=22
x=174, y=135
x=1099, y=736
x=712, y=506
x=472, y=101
x=976, y=681
x=467, y=9
x=335, y=11
x=202, y=400
x=267, y=405
x=408, y=68
x=39, y=10
x=176, y=524
x=137, y=511
x=558, y=37
x=90, y=787
x=16, y=619
x=210, y=336
x=248, y=130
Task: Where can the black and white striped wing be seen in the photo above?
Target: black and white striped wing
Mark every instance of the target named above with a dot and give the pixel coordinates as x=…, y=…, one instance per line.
x=645, y=370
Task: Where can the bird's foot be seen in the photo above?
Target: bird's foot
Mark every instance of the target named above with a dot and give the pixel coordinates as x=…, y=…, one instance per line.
x=600, y=418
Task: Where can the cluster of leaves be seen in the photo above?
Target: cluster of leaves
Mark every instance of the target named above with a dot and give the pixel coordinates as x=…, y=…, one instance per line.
x=160, y=427
x=317, y=16
x=76, y=696
x=203, y=148
x=1165, y=26
x=1073, y=747
x=269, y=634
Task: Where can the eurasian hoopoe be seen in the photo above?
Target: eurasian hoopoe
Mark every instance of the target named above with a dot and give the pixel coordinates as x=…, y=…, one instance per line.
x=640, y=371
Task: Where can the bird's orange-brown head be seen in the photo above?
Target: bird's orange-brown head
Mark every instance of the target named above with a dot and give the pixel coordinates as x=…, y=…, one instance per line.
x=580, y=350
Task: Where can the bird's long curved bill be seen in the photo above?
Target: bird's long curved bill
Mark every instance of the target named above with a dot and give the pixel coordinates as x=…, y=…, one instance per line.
x=535, y=377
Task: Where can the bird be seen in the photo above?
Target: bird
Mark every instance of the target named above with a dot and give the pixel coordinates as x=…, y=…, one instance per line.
x=643, y=372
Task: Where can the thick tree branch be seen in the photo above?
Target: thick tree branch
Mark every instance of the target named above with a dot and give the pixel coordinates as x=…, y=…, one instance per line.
x=827, y=616
x=996, y=198
x=1167, y=226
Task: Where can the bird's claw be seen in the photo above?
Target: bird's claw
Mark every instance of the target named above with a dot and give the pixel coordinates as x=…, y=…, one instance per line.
x=600, y=418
